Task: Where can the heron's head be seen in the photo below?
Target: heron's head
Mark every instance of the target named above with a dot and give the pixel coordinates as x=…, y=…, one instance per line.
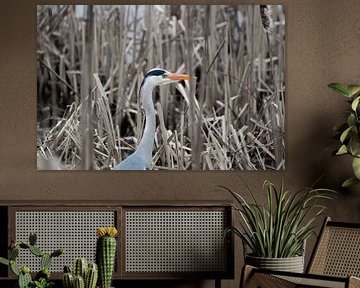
x=158, y=77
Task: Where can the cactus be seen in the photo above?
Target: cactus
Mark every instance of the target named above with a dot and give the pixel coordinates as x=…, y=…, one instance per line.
x=24, y=278
x=68, y=280
x=44, y=273
x=45, y=261
x=87, y=272
x=67, y=269
x=36, y=251
x=14, y=268
x=13, y=253
x=25, y=269
x=24, y=245
x=80, y=268
x=91, y=276
x=57, y=252
x=105, y=254
x=79, y=282
x=32, y=238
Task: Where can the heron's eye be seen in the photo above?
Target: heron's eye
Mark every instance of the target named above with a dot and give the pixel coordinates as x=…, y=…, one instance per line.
x=164, y=75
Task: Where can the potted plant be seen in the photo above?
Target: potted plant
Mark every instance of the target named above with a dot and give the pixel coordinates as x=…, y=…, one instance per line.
x=276, y=233
x=348, y=133
x=84, y=274
x=42, y=278
x=106, y=254
x=87, y=274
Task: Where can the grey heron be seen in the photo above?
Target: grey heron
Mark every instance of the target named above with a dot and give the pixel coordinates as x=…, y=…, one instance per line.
x=141, y=158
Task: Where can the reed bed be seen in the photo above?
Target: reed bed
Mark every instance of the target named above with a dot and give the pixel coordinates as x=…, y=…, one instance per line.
x=230, y=118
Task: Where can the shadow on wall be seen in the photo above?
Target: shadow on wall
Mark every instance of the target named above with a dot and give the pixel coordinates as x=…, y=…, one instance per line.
x=317, y=148
x=333, y=169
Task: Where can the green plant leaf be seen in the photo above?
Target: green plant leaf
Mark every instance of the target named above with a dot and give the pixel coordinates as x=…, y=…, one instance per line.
x=356, y=167
x=4, y=261
x=342, y=150
x=353, y=89
x=340, y=88
x=345, y=134
x=349, y=182
x=279, y=228
x=351, y=120
x=355, y=103
x=354, y=145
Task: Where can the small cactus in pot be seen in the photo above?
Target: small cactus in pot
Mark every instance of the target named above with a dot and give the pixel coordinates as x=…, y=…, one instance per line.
x=68, y=278
x=91, y=275
x=81, y=266
x=85, y=275
x=106, y=254
x=79, y=282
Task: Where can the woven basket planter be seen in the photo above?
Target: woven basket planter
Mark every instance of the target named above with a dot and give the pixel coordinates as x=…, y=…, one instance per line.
x=291, y=264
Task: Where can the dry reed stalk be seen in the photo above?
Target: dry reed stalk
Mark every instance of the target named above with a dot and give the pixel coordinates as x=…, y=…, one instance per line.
x=178, y=152
x=86, y=87
x=120, y=50
x=268, y=25
x=105, y=106
x=189, y=67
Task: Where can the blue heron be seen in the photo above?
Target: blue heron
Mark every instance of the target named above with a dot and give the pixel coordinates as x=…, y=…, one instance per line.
x=141, y=158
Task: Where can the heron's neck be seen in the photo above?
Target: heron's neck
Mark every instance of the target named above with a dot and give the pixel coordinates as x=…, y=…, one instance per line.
x=147, y=141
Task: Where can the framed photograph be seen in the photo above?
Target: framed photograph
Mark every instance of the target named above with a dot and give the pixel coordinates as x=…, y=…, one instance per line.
x=160, y=87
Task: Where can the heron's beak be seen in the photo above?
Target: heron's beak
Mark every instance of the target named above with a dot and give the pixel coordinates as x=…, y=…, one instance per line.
x=178, y=77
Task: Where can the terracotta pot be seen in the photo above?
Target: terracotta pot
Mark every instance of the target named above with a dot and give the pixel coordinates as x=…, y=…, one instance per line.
x=291, y=264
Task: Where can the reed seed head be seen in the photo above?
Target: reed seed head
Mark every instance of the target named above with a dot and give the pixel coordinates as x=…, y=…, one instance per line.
x=266, y=19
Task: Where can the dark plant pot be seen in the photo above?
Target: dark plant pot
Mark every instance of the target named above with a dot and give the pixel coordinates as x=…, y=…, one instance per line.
x=291, y=264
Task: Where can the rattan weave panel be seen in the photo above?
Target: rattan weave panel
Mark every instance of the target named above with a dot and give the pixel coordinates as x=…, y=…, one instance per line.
x=305, y=282
x=268, y=280
x=175, y=241
x=75, y=231
x=338, y=253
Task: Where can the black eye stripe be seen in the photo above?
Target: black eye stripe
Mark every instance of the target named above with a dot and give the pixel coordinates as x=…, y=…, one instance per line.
x=156, y=72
